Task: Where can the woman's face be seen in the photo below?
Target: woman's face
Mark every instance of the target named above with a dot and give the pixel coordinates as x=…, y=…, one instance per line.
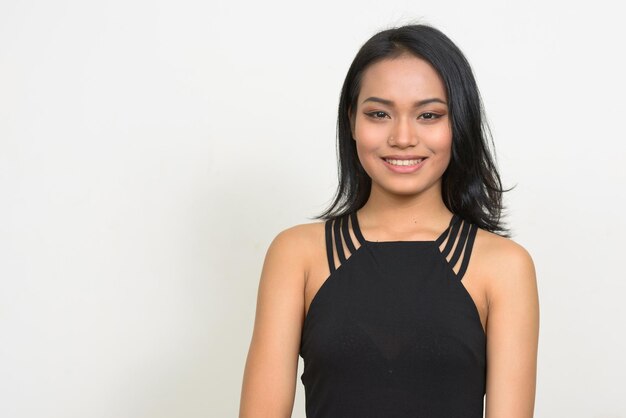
x=402, y=112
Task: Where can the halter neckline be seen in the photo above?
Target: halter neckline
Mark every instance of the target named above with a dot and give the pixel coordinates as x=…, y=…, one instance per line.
x=359, y=235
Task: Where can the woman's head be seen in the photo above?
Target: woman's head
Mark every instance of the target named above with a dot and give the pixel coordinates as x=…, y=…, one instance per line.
x=470, y=184
x=402, y=114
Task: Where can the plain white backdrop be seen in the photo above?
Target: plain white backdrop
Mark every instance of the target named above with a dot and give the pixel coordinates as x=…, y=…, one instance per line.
x=151, y=150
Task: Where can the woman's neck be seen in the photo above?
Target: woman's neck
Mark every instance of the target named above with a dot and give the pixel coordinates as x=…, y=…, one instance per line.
x=393, y=216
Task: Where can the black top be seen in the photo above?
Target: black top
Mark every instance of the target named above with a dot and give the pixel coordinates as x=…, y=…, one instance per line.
x=392, y=332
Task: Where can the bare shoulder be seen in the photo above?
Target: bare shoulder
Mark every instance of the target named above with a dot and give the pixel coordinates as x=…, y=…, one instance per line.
x=507, y=265
x=301, y=237
x=501, y=249
x=300, y=243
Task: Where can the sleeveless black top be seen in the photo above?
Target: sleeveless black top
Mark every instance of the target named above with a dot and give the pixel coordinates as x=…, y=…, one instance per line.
x=392, y=332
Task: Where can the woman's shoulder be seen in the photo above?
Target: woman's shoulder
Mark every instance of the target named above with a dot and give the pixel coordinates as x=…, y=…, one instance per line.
x=504, y=262
x=303, y=233
x=301, y=240
x=501, y=250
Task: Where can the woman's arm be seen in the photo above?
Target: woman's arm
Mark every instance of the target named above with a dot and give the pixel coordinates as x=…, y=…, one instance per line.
x=269, y=380
x=512, y=333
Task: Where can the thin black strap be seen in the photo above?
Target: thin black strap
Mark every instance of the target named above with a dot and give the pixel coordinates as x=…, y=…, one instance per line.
x=468, y=250
x=346, y=234
x=452, y=237
x=356, y=228
x=443, y=235
x=329, y=246
x=459, y=247
x=338, y=244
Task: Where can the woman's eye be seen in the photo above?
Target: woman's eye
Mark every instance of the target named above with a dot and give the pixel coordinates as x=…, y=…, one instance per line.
x=377, y=115
x=429, y=115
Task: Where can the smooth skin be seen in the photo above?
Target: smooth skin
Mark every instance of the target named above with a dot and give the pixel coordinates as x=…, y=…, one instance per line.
x=411, y=119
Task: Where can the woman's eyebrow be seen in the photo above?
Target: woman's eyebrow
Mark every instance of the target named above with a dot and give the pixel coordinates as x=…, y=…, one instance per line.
x=416, y=104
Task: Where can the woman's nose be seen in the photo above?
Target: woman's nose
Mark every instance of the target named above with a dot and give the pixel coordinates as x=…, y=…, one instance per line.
x=404, y=133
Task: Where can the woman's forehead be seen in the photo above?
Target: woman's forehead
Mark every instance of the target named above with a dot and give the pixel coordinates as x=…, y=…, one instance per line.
x=403, y=79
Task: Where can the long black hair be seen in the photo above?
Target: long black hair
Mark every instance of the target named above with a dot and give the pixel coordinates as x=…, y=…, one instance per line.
x=471, y=185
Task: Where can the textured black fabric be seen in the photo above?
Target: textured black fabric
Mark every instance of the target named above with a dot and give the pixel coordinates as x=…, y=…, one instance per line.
x=392, y=332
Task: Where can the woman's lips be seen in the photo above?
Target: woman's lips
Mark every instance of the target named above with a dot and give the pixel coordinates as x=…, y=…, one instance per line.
x=404, y=168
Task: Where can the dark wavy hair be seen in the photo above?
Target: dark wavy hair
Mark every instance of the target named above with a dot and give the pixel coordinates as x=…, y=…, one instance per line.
x=471, y=185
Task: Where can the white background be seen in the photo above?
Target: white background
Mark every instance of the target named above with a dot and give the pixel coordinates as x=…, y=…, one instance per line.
x=151, y=150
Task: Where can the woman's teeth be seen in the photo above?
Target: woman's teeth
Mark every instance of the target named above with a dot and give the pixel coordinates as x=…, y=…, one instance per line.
x=404, y=162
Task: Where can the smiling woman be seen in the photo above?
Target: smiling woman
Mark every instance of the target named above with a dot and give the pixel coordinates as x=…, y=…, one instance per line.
x=409, y=299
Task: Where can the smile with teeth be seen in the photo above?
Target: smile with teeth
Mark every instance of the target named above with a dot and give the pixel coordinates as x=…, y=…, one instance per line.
x=404, y=162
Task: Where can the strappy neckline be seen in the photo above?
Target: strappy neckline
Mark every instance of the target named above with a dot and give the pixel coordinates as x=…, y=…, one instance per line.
x=359, y=235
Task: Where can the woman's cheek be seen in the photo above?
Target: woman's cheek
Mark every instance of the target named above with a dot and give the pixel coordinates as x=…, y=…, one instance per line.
x=372, y=136
x=440, y=140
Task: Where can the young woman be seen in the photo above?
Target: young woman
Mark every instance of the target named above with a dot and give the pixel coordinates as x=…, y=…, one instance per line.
x=409, y=299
